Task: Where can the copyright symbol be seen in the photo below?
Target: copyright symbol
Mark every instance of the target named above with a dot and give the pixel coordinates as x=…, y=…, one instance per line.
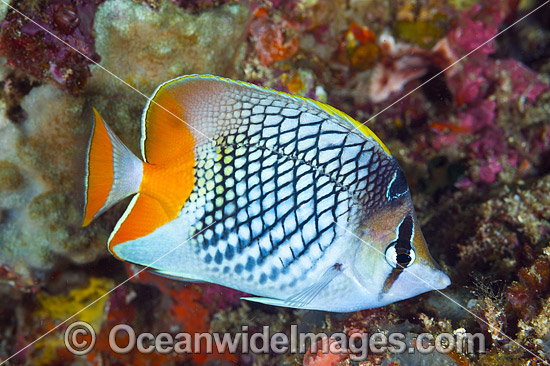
x=79, y=338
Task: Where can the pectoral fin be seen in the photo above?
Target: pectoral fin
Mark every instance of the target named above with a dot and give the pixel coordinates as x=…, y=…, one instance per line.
x=307, y=295
x=303, y=298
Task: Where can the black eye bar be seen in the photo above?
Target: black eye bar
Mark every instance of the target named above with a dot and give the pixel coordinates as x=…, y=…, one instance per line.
x=403, y=243
x=403, y=251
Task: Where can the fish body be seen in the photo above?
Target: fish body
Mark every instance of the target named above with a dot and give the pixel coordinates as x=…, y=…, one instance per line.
x=272, y=194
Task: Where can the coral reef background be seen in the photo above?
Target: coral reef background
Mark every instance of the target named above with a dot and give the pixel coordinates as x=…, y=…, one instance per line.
x=474, y=143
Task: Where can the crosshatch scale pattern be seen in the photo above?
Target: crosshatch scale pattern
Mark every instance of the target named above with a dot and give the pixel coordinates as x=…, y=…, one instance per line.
x=276, y=178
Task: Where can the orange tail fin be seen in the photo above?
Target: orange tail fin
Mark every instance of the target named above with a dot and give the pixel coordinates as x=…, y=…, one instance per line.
x=113, y=172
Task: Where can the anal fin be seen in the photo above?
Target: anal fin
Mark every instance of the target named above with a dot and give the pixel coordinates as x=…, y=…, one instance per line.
x=174, y=276
x=266, y=301
x=143, y=215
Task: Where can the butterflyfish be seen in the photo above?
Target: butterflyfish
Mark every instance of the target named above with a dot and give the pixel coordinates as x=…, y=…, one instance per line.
x=279, y=196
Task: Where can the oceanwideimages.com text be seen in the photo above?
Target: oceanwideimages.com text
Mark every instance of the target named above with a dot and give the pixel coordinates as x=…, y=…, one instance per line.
x=80, y=339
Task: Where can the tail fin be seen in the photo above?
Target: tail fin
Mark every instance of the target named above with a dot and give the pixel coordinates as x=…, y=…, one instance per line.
x=113, y=172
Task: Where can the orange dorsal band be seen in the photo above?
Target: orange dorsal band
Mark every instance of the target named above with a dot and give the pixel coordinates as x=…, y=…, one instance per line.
x=165, y=133
x=168, y=174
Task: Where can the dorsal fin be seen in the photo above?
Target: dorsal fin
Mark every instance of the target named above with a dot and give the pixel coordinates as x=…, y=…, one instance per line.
x=207, y=104
x=165, y=134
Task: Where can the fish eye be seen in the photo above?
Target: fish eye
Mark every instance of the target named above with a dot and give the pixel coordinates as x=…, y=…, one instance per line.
x=399, y=258
x=398, y=185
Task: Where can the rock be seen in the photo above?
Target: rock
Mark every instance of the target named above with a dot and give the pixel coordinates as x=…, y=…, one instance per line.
x=3, y=9
x=42, y=174
x=146, y=47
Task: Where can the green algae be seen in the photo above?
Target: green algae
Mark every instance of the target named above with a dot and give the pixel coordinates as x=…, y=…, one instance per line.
x=424, y=33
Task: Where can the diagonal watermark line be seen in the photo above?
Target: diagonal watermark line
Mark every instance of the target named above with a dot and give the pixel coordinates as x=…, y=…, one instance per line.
x=105, y=294
x=105, y=69
x=453, y=64
x=451, y=299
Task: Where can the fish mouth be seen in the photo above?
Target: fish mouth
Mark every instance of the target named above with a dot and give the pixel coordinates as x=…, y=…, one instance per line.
x=441, y=280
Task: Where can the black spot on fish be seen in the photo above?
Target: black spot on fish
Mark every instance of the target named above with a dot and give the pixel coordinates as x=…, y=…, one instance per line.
x=208, y=258
x=250, y=263
x=218, y=258
x=398, y=185
x=229, y=252
x=238, y=268
x=263, y=279
x=274, y=274
x=226, y=269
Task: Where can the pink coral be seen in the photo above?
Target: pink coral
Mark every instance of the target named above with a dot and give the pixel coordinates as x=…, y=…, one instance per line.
x=473, y=82
x=488, y=172
x=523, y=81
x=471, y=33
x=480, y=117
x=470, y=85
x=469, y=81
x=475, y=76
x=220, y=297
